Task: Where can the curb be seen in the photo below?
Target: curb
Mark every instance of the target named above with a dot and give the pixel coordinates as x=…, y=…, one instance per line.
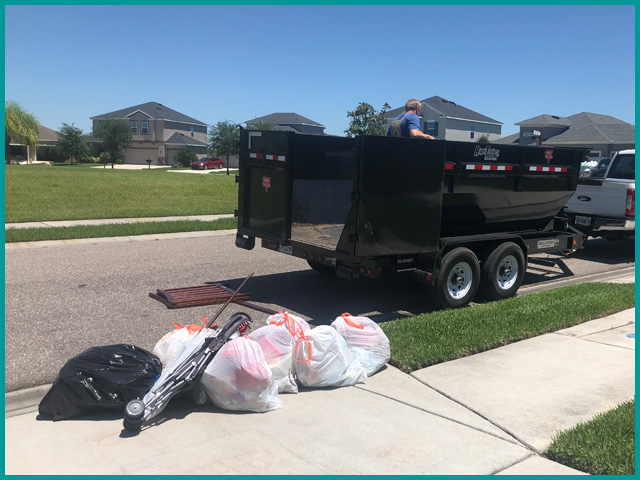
x=135, y=238
x=25, y=401
x=625, y=275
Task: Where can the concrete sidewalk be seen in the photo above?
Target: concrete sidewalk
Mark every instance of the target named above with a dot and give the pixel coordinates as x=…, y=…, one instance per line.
x=491, y=413
x=111, y=221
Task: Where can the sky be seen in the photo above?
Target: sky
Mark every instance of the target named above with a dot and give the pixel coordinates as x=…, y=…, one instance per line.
x=66, y=64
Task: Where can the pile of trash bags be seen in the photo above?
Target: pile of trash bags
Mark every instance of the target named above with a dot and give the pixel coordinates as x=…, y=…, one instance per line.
x=247, y=374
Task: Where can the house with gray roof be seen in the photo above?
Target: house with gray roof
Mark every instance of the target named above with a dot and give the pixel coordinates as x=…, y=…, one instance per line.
x=446, y=120
x=158, y=133
x=602, y=134
x=47, y=139
x=289, y=122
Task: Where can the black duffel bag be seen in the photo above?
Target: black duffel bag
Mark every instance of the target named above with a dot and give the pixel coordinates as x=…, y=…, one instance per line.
x=101, y=378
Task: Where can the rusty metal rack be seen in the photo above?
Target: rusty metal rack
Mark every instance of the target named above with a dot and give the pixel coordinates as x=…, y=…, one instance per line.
x=204, y=295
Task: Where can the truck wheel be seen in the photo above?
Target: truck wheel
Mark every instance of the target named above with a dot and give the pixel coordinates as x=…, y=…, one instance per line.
x=321, y=267
x=458, y=279
x=502, y=272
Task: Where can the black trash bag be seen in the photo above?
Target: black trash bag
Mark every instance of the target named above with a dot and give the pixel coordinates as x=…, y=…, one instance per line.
x=101, y=378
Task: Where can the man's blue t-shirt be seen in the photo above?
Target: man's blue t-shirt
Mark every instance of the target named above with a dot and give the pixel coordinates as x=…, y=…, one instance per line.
x=402, y=124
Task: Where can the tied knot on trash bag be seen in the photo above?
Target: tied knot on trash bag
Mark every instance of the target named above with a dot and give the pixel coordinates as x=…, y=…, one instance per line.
x=296, y=325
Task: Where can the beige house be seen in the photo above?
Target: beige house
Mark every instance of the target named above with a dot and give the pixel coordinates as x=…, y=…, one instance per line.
x=158, y=133
x=47, y=139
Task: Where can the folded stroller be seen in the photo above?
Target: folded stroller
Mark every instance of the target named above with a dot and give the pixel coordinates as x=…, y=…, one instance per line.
x=186, y=369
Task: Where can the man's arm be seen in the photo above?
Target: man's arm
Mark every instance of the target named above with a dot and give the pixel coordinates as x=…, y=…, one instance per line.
x=416, y=133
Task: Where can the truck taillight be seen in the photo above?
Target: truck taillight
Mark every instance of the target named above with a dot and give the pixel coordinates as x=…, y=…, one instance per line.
x=630, y=208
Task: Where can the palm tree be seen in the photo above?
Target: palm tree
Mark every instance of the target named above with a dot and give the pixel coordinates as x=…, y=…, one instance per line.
x=19, y=126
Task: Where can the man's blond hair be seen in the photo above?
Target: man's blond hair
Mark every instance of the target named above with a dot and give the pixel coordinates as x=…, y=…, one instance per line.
x=413, y=104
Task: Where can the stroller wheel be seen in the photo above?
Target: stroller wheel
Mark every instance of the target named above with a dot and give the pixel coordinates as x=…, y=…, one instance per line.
x=134, y=409
x=133, y=413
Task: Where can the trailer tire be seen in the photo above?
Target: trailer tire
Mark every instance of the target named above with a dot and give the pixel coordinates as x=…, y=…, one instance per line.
x=458, y=279
x=321, y=267
x=502, y=272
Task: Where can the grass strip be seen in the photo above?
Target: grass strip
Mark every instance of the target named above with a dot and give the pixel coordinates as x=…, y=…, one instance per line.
x=41, y=193
x=115, y=230
x=603, y=446
x=436, y=337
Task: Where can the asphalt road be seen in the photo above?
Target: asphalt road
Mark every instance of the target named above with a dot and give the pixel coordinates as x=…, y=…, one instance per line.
x=61, y=300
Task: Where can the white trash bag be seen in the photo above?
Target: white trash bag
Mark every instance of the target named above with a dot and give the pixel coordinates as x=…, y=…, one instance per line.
x=238, y=378
x=366, y=339
x=277, y=345
x=322, y=359
x=169, y=346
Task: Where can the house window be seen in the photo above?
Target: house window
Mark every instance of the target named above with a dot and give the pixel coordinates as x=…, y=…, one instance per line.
x=192, y=129
x=472, y=132
x=144, y=128
x=134, y=127
x=431, y=128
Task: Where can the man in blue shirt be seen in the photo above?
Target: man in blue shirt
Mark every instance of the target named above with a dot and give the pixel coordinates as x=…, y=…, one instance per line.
x=408, y=124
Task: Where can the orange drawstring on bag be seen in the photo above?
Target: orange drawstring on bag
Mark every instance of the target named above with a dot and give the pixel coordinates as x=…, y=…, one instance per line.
x=298, y=343
x=347, y=319
x=190, y=328
x=295, y=330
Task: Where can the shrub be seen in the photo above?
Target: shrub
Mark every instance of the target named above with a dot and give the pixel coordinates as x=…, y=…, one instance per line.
x=185, y=158
x=14, y=159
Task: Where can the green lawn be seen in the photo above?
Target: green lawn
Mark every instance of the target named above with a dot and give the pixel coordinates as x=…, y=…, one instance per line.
x=605, y=445
x=444, y=335
x=65, y=192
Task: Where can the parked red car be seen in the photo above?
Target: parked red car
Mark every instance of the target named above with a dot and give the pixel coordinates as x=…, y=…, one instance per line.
x=207, y=162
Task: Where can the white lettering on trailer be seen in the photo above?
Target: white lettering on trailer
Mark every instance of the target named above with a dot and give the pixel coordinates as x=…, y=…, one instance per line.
x=288, y=249
x=552, y=243
x=490, y=153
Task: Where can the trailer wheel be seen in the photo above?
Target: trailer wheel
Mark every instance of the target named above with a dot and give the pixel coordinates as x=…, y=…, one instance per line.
x=321, y=267
x=502, y=272
x=458, y=279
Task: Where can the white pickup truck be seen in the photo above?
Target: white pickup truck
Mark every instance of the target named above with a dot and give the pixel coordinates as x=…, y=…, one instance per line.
x=606, y=206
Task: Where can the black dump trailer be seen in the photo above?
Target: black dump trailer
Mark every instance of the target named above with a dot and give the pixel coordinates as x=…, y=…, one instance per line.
x=459, y=216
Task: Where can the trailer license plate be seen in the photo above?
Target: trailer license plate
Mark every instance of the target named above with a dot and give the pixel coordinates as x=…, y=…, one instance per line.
x=580, y=220
x=288, y=249
x=552, y=243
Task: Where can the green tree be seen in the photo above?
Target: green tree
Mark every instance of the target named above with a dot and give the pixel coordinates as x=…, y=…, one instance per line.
x=20, y=126
x=365, y=120
x=185, y=157
x=72, y=144
x=261, y=125
x=224, y=140
x=115, y=136
x=484, y=138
